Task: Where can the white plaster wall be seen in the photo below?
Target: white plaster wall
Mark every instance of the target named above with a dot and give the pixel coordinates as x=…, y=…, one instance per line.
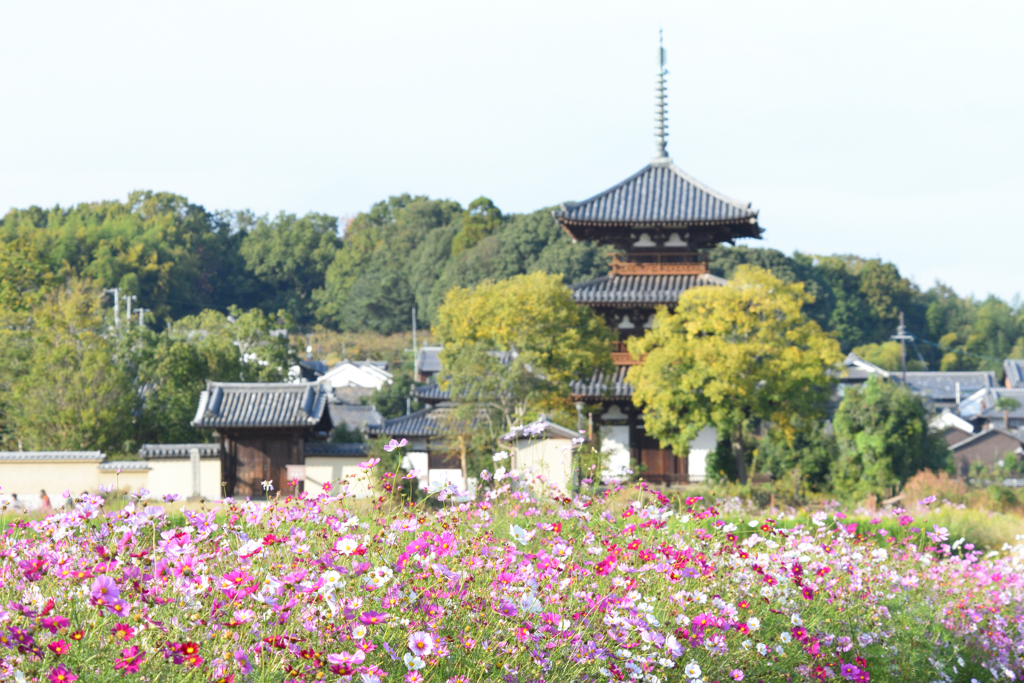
x=550, y=458
x=330, y=468
x=129, y=480
x=174, y=475
x=437, y=478
x=705, y=442
x=615, y=446
x=420, y=461
x=27, y=478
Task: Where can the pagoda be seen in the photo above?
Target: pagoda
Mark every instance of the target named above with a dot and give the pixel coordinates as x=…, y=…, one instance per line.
x=660, y=222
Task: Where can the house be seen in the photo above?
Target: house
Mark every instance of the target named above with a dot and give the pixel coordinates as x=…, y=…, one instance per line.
x=428, y=362
x=432, y=449
x=952, y=427
x=262, y=429
x=1013, y=373
x=945, y=390
x=989, y=447
x=659, y=221
x=543, y=452
x=368, y=374
x=980, y=408
x=355, y=418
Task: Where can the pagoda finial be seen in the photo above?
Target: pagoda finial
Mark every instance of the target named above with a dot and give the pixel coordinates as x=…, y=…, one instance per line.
x=660, y=108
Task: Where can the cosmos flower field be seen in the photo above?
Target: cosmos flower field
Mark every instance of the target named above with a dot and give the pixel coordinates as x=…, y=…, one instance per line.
x=516, y=585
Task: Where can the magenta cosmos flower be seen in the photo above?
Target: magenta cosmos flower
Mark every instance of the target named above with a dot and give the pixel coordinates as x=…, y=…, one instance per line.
x=421, y=643
x=369, y=618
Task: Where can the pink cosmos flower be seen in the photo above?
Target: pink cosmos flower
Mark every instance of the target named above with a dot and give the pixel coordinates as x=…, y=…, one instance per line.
x=242, y=660
x=369, y=464
x=103, y=590
x=925, y=501
x=370, y=617
x=60, y=674
x=59, y=647
x=392, y=445
x=421, y=643
x=122, y=632
x=131, y=659
x=736, y=675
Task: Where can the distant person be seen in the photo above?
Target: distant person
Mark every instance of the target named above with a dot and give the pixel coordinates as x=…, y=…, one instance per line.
x=15, y=503
x=44, y=501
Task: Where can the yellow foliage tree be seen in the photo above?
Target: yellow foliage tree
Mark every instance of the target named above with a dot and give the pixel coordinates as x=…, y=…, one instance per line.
x=731, y=355
x=515, y=344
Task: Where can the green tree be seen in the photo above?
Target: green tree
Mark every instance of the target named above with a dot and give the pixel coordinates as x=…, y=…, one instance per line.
x=883, y=436
x=175, y=364
x=66, y=389
x=481, y=220
x=888, y=356
x=1006, y=404
x=807, y=458
x=728, y=356
x=176, y=256
x=290, y=256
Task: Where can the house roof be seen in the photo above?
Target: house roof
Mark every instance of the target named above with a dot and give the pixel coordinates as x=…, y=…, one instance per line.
x=1014, y=371
x=645, y=290
x=125, y=466
x=856, y=369
x=539, y=427
x=661, y=195
x=603, y=386
x=354, y=417
x=44, y=456
x=158, y=451
x=981, y=436
x=340, y=450
x=266, y=405
x=428, y=359
x=378, y=369
x=429, y=393
x=426, y=422
x=941, y=386
x=983, y=404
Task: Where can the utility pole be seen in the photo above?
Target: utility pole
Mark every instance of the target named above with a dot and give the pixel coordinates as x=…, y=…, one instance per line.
x=117, y=305
x=141, y=311
x=415, y=354
x=902, y=337
x=128, y=307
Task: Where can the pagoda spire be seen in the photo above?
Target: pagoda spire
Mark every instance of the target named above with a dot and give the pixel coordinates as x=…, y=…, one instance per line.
x=660, y=109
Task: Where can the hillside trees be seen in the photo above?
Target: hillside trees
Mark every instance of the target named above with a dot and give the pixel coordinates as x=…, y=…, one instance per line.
x=731, y=356
x=290, y=256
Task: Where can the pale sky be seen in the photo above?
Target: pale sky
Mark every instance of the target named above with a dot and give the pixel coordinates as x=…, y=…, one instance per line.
x=874, y=128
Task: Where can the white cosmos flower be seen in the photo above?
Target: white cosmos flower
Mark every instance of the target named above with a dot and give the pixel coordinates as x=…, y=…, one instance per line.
x=693, y=669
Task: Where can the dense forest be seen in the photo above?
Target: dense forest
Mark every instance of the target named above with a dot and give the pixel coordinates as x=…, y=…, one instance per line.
x=179, y=259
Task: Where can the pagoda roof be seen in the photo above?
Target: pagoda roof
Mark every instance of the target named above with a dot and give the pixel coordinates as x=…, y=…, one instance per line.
x=609, y=386
x=642, y=290
x=661, y=195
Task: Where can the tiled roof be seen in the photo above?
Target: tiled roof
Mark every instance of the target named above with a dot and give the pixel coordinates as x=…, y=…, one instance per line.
x=156, y=451
x=340, y=450
x=983, y=404
x=429, y=359
x=124, y=466
x=539, y=427
x=941, y=386
x=43, y=456
x=1014, y=371
x=660, y=194
x=856, y=369
x=429, y=393
x=426, y=422
x=601, y=386
x=354, y=417
x=229, y=404
x=649, y=290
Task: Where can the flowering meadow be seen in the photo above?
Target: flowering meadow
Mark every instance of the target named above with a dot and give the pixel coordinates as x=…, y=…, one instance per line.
x=517, y=585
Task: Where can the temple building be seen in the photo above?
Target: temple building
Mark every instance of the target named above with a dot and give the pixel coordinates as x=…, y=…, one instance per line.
x=660, y=221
